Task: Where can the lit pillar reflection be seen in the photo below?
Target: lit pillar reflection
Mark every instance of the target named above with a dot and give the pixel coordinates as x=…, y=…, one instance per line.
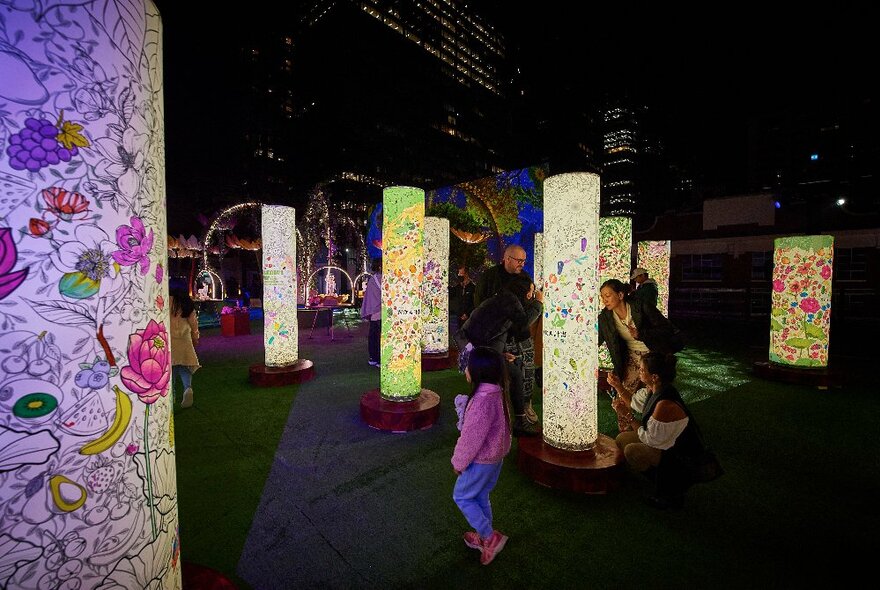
x=800, y=317
x=280, y=328
x=571, y=253
x=402, y=273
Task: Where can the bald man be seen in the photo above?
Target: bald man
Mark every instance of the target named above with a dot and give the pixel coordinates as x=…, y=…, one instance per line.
x=500, y=275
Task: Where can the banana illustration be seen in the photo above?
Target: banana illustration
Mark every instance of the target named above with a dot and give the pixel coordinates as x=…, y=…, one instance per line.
x=116, y=430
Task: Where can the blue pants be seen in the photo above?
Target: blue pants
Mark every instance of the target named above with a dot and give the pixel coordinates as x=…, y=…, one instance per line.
x=182, y=372
x=471, y=493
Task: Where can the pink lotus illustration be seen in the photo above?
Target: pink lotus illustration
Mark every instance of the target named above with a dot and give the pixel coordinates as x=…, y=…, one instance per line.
x=134, y=244
x=9, y=281
x=148, y=370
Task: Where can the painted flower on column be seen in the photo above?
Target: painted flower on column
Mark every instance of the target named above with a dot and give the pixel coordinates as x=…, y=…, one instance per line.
x=9, y=281
x=85, y=262
x=148, y=370
x=134, y=244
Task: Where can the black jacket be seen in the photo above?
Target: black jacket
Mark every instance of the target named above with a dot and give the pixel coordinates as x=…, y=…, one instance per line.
x=497, y=319
x=657, y=332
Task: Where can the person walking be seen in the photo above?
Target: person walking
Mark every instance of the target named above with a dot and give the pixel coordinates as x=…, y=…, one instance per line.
x=479, y=453
x=371, y=309
x=184, y=339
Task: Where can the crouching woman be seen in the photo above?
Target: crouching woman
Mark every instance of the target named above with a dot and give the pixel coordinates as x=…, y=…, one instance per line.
x=666, y=439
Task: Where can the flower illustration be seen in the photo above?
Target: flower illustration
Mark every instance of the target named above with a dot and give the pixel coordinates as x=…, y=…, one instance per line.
x=809, y=305
x=160, y=273
x=122, y=161
x=826, y=272
x=148, y=370
x=85, y=262
x=778, y=286
x=9, y=281
x=135, y=245
x=64, y=204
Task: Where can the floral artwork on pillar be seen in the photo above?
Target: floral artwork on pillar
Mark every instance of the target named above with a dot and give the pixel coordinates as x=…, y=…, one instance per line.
x=539, y=260
x=800, y=316
x=88, y=491
x=571, y=306
x=280, y=328
x=615, y=256
x=654, y=257
x=402, y=275
x=435, y=286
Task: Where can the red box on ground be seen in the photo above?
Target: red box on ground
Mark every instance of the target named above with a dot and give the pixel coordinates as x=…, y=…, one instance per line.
x=235, y=324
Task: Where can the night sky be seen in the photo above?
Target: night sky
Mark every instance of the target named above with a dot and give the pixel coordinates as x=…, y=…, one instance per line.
x=706, y=72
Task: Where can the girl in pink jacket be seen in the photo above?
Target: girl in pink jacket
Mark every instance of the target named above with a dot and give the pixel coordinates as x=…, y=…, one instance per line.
x=480, y=450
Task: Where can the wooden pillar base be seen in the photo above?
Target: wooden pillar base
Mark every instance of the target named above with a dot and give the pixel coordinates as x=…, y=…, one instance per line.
x=418, y=414
x=823, y=378
x=263, y=376
x=597, y=471
x=436, y=361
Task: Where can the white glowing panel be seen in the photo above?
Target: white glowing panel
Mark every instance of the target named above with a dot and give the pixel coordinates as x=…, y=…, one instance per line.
x=800, y=318
x=280, y=329
x=435, y=286
x=615, y=255
x=539, y=261
x=402, y=267
x=571, y=263
x=88, y=488
x=654, y=257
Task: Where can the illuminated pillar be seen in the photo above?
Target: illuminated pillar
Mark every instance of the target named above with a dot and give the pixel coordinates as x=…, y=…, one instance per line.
x=435, y=286
x=615, y=256
x=89, y=490
x=280, y=329
x=402, y=268
x=571, y=305
x=654, y=257
x=539, y=260
x=800, y=318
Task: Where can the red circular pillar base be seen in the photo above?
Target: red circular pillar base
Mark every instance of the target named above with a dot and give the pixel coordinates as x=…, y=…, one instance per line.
x=417, y=414
x=436, y=361
x=263, y=376
x=823, y=378
x=597, y=471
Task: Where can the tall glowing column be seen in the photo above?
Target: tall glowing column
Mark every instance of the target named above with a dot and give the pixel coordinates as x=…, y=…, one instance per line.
x=654, y=257
x=435, y=287
x=571, y=253
x=280, y=331
x=615, y=256
x=800, y=320
x=539, y=260
x=402, y=274
x=88, y=490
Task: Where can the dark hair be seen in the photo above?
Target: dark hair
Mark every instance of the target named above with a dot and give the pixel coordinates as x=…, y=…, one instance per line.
x=181, y=304
x=662, y=365
x=519, y=285
x=376, y=265
x=616, y=286
x=487, y=365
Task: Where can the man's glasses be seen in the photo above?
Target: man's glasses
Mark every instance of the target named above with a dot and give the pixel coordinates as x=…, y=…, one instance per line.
x=520, y=260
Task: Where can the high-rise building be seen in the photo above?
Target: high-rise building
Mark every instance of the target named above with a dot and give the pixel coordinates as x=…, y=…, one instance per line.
x=360, y=94
x=621, y=139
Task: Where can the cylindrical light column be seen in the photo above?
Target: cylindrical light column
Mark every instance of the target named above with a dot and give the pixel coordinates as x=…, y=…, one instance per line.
x=539, y=260
x=87, y=455
x=615, y=256
x=280, y=328
x=435, y=286
x=654, y=257
x=800, y=318
x=402, y=273
x=571, y=252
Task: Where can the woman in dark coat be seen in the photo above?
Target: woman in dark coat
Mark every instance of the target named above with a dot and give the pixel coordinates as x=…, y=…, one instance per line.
x=632, y=329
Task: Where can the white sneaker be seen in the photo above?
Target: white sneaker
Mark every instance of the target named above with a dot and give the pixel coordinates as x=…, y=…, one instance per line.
x=187, y=400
